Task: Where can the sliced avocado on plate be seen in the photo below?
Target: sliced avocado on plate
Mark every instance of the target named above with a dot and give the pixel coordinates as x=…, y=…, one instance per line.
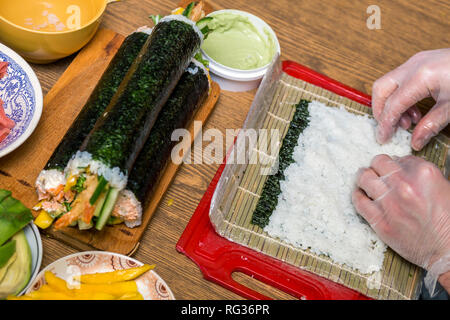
x=18, y=273
x=6, y=252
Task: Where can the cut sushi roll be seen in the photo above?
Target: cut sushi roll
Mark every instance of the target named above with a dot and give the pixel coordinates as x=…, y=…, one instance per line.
x=190, y=92
x=110, y=150
x=55, y=192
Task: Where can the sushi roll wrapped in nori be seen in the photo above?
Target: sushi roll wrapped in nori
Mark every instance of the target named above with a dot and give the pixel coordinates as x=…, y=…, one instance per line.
x=179, y=109
x=111, y=148
x=51, y=182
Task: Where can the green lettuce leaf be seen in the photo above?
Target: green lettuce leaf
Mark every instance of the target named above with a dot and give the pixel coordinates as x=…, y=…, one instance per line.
x=14, y=216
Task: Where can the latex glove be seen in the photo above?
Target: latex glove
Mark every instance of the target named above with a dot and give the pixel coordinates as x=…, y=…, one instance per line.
x=395, y=94
x=407, y=203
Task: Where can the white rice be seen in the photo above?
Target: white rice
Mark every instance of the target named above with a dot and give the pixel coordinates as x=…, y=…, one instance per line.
x=83, y=159
x=50, y=179
x=145, y=29
x=314, y=208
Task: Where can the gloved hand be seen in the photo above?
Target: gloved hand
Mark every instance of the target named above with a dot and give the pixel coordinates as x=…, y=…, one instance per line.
x=395, y=94
x=407, y=203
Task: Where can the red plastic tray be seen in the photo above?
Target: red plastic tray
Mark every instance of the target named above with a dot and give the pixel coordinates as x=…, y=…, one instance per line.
x=218, y=257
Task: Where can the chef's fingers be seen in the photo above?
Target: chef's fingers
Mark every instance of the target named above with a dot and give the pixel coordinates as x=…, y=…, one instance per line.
x=384, y=165
x=407, y=95
x=431, y=124
x=405, y=121
x=381, y=90
x=368, y=181
x=415, y=114
x=367, y=208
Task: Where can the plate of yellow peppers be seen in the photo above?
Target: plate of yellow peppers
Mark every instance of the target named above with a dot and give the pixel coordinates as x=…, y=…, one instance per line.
x=96, y=275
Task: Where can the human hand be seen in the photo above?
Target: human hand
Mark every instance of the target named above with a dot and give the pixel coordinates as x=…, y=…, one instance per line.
x=407, y=203
x=395, y=94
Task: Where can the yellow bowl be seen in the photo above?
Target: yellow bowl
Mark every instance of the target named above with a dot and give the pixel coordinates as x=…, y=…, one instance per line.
x=47, y=46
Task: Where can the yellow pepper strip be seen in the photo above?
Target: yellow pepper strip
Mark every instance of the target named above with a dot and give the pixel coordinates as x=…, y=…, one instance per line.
x=178, y=11
x=39, y=295
x=38, y=206
x=18, y=298
x=71, y=181
x=129, y=296
x=45, y=288
x=100, y=296
x=116, y=289
x=99, y=291
x=57, y=284
x=43, y=220
x=115, y=276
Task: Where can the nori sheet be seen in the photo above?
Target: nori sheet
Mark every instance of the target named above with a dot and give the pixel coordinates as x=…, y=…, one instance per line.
x=188, y=95
x=271, y=190
x=120, y=134
x=98, y=100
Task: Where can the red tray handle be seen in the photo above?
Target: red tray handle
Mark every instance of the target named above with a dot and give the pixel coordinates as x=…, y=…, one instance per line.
x=219, y=258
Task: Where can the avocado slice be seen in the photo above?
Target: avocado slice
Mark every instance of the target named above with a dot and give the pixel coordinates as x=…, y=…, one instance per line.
x=5, y=268
x=19, y=272
x=6, y=252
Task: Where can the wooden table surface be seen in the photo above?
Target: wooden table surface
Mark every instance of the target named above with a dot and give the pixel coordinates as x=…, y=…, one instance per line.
x=328, y=36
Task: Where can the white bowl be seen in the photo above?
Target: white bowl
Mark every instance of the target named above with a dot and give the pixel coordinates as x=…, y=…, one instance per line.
x=21, y=93
x=237, y=80
x=35, y=242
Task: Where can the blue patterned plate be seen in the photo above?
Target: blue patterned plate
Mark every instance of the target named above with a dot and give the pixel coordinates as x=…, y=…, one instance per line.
x=22, y=99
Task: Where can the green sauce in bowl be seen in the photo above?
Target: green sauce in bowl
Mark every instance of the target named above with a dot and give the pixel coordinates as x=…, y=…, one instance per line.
x=237, y=43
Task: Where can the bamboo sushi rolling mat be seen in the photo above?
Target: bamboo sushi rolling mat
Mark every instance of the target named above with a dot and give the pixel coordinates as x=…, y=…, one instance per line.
x=238, y=198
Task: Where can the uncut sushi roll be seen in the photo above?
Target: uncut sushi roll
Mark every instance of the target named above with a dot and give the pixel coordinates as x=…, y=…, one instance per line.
x=53, y=191
x=190, y=93
x=110, y=150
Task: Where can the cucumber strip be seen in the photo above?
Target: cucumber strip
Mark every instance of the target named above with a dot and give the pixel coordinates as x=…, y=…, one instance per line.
x=100, y=202
x=98, y=191
x=107, y=209
x=203, y=22
x=187, y=12
x=98, y=101
x=187, y=96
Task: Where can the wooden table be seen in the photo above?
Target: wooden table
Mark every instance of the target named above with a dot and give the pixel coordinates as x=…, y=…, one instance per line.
x=328, y=36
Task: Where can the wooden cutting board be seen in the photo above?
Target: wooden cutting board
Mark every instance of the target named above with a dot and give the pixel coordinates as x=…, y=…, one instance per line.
x=19, y=170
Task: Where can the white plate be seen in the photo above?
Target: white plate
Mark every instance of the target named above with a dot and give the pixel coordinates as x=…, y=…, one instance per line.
x=22, y=96
x=150, y=284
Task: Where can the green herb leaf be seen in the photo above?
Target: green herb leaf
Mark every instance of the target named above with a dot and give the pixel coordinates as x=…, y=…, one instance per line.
x=199, y=57
x=155, y=18
x=67, y=205
x=79, y=186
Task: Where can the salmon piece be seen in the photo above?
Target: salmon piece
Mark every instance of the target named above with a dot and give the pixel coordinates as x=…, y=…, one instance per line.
x=88, y=213
x=3, y=68
x=4, y=132
x=52, y=206
x=4, y=120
